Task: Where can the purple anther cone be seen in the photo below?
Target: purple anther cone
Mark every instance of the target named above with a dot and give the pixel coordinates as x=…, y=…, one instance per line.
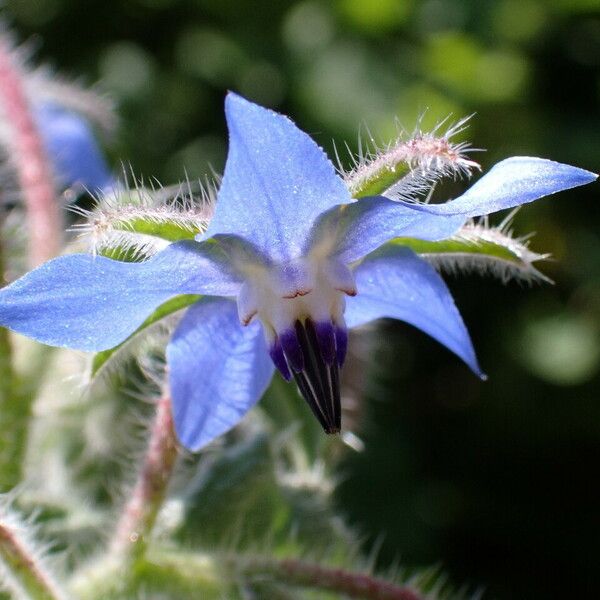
x=326, y=339
x=292, y=349
x=278, y=358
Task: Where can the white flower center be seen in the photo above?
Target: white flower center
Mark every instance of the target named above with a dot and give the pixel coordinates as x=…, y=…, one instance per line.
x=304, y=289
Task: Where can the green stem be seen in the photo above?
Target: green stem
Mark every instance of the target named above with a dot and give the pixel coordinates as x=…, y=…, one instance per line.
x=110, y=577
x=139, y=514
x=6, y=374
x=14, y=411
x=23, y=569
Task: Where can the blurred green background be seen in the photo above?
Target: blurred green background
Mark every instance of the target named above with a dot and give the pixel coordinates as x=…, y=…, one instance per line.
x=493, y=481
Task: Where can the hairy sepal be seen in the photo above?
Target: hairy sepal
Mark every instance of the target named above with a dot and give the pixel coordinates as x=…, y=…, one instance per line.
x=484, y=250
x=407, y=168
x=132, y=225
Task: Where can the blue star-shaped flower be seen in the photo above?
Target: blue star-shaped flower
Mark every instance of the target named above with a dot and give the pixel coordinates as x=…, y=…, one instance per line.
x=288, y=263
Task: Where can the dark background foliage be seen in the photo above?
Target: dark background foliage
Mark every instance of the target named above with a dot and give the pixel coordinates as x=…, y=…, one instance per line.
x=494, y=481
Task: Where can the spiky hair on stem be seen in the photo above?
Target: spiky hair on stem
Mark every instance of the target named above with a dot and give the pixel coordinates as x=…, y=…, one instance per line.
x=26, y=571
x=42, y=84
x=92, y=103
x=31, y=174
x=133, y=224
x=412, y=162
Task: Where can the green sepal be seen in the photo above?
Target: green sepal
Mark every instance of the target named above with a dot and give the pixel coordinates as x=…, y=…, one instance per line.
x=476, y=249
x=164, y=310
x=455, y=246
x=378, y=181
x=167, y=229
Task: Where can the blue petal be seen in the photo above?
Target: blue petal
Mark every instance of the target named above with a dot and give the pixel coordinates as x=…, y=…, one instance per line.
x=513, y=182
x=93, y=303
x=276, y=181
x=352, y=231
x=394, y=282
x=72, y=148
x=218, y=370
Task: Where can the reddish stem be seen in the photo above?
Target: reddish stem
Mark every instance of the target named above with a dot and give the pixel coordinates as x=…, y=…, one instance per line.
x=140, y=512
x=33, y=169
x=353, y=585
x=21, y=562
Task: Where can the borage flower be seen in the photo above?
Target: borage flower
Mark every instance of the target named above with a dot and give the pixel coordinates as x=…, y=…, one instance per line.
x=288, y=263
x=69, y=141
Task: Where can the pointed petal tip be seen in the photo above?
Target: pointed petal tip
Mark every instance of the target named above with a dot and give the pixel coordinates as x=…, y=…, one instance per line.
x=590, y=175
x=276, y=183
x=245, y=113
x=237, y=106
x=577, y=175
x=185, y=438
x=473, y=364
x=394, y=282
x=190, y=440
x=231, y=98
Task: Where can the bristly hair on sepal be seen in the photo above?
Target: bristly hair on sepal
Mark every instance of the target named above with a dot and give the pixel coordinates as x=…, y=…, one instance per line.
x=136, y=221
x=491, y=250
x=406, y=168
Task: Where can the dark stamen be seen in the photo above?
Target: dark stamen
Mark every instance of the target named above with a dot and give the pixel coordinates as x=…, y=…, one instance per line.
x=341, y=344
x=318, y=377
x=312, y=400
x=321, y=370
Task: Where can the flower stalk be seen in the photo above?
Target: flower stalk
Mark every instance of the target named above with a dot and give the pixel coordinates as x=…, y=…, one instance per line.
x=139, y=515
x=33, y=169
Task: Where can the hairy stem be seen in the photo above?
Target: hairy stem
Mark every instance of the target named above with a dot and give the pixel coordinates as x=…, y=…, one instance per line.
x=139, y=515
x=288, y=572
x=31, y=163
x=21, y=569
x=352, y=584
